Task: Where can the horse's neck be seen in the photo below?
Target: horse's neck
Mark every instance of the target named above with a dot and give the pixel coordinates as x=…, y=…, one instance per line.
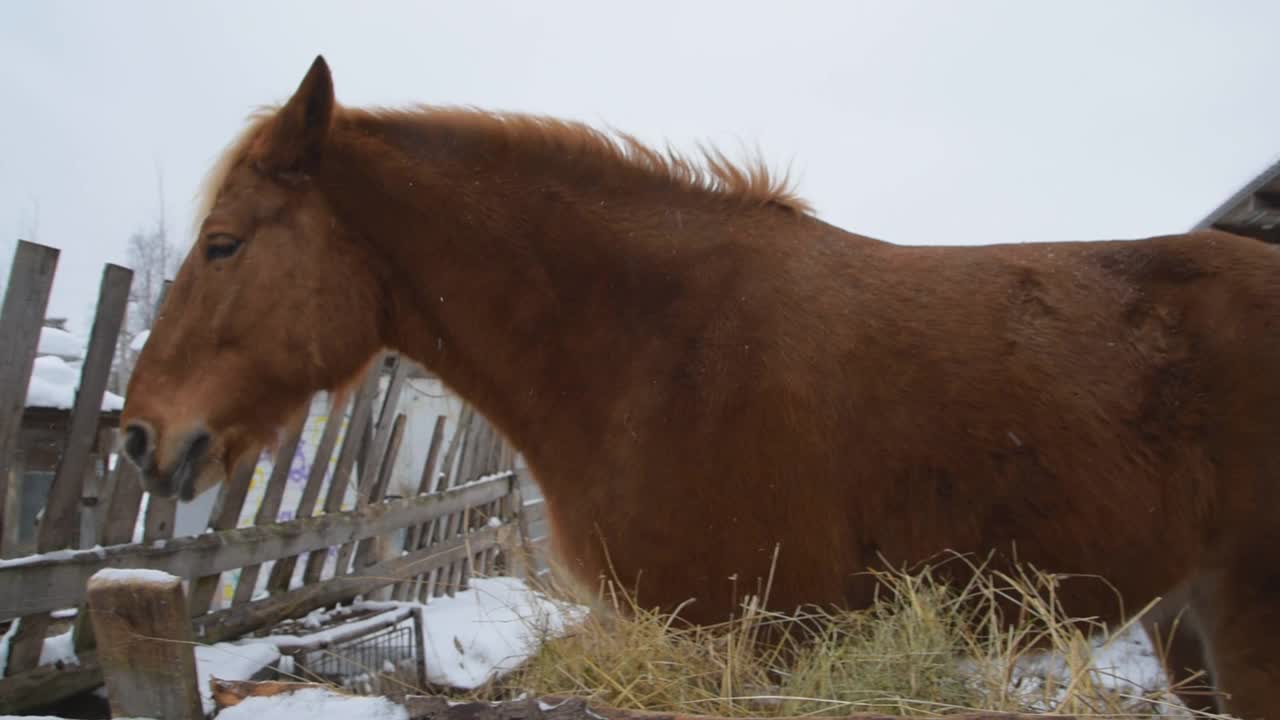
x=524, y=300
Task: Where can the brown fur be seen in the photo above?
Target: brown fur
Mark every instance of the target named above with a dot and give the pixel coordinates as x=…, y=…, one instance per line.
x=698, y=371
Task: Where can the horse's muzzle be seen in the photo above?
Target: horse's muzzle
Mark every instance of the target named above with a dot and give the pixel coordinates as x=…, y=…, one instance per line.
x=179, y=478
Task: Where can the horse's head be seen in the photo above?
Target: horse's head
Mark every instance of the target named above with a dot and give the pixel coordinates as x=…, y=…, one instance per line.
x=275, y=301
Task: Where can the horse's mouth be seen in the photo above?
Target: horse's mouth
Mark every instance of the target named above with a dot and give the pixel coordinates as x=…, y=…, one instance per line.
x=190, y=463
x=180, y=479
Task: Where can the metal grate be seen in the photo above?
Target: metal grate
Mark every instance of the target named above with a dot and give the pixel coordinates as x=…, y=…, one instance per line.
x=386, y=661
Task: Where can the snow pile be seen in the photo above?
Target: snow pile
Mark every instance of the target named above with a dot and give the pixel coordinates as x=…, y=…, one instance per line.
x=60, y=342
x=230, y=661
x=489, y=630
x=57, y=649
x=54, y=382
x=1124, y=663
x=315, y=704
x=139, y=341
x=134, y=575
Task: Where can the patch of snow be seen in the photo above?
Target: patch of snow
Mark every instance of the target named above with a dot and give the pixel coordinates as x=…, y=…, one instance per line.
x=60, y=342
x=230, y=661
x=59, y=649
x=315, y=704
x=134, y=575
x=55, y=370
x=139, y=340
x=1124, y=663
x=64, y=554
x=53, y=385
x=488, y=630
x=4, y=646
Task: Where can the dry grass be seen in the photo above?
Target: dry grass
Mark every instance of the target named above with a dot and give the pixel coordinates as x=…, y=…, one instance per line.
x=1000, y=643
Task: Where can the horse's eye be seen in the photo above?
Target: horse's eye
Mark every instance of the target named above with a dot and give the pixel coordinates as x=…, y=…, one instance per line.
x=221, y=245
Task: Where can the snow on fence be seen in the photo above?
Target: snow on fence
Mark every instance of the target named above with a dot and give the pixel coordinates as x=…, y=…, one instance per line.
x=358, y=500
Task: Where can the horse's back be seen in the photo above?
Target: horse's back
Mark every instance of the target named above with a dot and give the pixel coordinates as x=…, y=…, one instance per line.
x=1104, y=408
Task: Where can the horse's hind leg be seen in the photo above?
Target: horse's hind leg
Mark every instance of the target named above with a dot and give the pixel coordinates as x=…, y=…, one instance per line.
x=1174, y=630
x=1239, y=609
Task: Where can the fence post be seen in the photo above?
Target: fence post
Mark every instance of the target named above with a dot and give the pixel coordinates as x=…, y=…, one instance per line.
x=61, y=521
x=145, y=644
x=21, y=317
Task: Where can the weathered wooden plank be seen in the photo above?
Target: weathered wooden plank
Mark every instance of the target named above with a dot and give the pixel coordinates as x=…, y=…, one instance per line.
x=49, y=683
x=93, y=500
x=41, y=584
x=60, y=523
x=25, y=300
x=282, y=570
x=379, y=490
x=225, y=516
x=123, y=494
x=446, y=578
x=360, y=415
x=236, y=621
x=435, y=530
x=426, y=481
x=145, y=646
x=157, y=524
x=386, y=419
x=378, y=447
x=269, y=508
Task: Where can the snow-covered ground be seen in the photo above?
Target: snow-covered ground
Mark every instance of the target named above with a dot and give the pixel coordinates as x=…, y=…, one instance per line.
x=481, y=633
x=487, y=631
x=315, y=704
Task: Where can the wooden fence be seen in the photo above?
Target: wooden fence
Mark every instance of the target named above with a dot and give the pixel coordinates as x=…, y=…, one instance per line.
x=461, y=513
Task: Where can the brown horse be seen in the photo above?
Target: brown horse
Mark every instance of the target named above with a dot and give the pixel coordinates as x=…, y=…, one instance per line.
x=699, y=371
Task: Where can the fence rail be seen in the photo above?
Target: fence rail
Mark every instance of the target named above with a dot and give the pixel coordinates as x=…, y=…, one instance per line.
x=295, y=532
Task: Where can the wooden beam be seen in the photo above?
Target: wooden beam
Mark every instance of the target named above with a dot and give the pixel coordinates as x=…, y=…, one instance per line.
x=360, y=414
x=269, y=507
x=237, y=621
x=282, y=570
x=425, y=482
x=60, y=523
x=379, y=489
x=49, y=684
x=145, y=645
x=123, y=493
x=25, y=300
x=225, y=516
x=49, y=583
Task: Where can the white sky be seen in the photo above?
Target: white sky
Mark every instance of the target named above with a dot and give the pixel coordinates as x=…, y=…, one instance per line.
x=916, y=122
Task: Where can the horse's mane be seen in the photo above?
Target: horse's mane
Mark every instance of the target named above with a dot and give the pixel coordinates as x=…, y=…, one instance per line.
x=556, y=140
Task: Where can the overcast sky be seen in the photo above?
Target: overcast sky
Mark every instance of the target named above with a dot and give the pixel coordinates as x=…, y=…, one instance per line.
x=945, y=121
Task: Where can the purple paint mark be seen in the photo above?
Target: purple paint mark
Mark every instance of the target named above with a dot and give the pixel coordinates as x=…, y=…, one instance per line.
x=298, y=469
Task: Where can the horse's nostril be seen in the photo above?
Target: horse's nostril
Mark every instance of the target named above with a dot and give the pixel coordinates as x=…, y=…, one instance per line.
x=199, y=445
x=137, y=442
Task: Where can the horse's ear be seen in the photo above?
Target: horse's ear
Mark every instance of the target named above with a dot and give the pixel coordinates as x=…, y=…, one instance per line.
x=292, y=142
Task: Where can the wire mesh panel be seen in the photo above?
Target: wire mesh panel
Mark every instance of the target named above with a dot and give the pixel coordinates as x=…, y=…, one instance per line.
x=386, y=660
